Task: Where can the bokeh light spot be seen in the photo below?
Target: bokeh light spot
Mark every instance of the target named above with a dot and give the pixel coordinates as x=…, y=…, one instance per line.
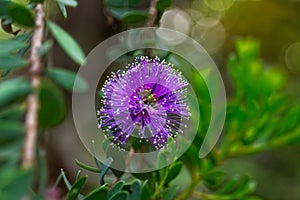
x=203, y=15
x=292, y=57
x=212, y=39
x=219, y=5
x=177, y=20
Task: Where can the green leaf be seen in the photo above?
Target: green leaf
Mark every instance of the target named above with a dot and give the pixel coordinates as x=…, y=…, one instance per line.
x=114, y=153
x=8, y=46
x=123, y=195
x=246, y=187
x=213, y=178
x=10, y=130
x=161, y=5
x=71, y=3
x=170, y=193
x=98, y=194
x=66, y=181
x=118, y=13
x=98, y=163
x=86, y=167
x=13, y=113
x=237, y=186
x=142, y=176
x=291, y=119
x=129, y=16
x=20, y=14
x=146, y=193
x=12, y=62
x=43, y=171
x=76, y=188
x=104, y=168
x=274, y=79
x=228, y=185
x=135, y=17
x=37, y=1
x=123, y=3
x=68, y=44
x=45, y=47
x=78, y=175
x=16, y=183
x=4, y=8
x=62, y=9
x=10, y=151
x=168, y=155
x=66, y=79
x=13, y=89
x=136, y=190
x=117, y=173
x=52, y=105
x=252, y=198
x=173, y=172
x=115, y=189
x=247, y=49
x=4, y=73
x=23, y=37
x=182, y=65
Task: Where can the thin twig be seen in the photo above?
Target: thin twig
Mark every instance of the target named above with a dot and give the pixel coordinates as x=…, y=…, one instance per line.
x=35, y=70
x=152, y=14
x=114, y=182
x=109, y=18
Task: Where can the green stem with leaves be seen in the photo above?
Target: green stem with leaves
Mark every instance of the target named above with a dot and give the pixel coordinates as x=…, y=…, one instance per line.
x=160, y=186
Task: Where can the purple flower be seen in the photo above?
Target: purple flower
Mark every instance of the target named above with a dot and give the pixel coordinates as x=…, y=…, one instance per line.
x=148, y=98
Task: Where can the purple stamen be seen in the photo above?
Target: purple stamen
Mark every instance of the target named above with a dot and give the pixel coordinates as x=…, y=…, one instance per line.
x=149, y=96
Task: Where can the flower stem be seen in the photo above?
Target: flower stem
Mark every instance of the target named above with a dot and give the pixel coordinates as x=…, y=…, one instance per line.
x=160, y=186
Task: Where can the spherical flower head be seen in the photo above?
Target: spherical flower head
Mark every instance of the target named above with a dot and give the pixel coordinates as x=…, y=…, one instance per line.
x=149, y=97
